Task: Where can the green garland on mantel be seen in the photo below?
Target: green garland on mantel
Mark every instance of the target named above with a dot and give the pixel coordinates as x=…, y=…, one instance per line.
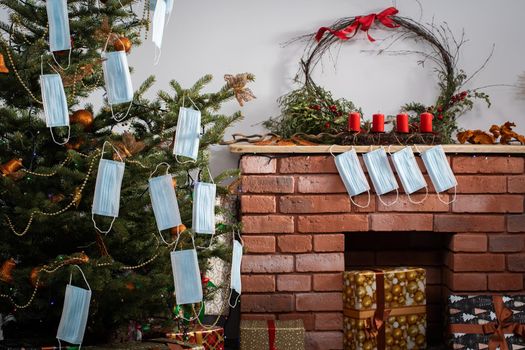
x=312, y=110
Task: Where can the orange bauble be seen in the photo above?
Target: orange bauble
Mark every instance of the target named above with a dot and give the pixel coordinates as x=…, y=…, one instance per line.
x=122, y=44
x=3, y=67
x=11, y=166
x=33, y=276
x=177, y=230
x=6, y=271
x=82, y=117
x=74, y=144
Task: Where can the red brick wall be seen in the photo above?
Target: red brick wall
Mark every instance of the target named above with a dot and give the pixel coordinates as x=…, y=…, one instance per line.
x=296, y=213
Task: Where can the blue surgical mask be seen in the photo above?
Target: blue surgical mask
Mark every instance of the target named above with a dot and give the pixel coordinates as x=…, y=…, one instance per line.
x=159, y=19
x=74, y=313
x=57, y=16
x=186, y=275
x=408, y=171
x=117, y=80
x=439, y=169
x=235, y=281
x=55, y=103
x=188, y=133
x=164, y=202
x=380, y=173
x=204, y=208
x=352, y=175
x=106, y=201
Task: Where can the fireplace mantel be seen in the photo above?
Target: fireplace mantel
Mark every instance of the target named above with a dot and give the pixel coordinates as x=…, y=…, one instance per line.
x=301, y=231
x=453, y=148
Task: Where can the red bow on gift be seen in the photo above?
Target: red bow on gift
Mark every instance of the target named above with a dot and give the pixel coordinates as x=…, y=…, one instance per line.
x=503, y=326
x=363, y=23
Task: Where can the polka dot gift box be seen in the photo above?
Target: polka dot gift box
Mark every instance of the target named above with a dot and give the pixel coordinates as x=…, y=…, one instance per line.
x=385, y=309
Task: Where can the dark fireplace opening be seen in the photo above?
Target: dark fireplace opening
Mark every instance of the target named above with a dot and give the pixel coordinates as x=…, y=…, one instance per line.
x=418, y=249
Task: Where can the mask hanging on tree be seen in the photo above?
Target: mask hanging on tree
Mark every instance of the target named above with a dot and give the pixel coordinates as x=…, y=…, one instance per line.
x=106, y=201
x=164, y=201
x=117, y=79
x=58, y=19
x=74, y=312
x=188, y=132
x=439, y=171
x=186, y=275
x=159, y=19
x=204, y=208
x=352, y=175
x=55, y=102
x=408, y=171
x=381, y=174
x=235, y=282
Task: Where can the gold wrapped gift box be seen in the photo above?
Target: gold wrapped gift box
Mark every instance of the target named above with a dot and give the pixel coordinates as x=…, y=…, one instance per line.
x=385, y=309
x=265, y=335
x=211, y=338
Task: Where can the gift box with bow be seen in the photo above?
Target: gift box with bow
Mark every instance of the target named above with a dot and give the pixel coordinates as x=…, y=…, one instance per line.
x=385, y=308
x=486, y=322
x=272, y=335
x=211, y=338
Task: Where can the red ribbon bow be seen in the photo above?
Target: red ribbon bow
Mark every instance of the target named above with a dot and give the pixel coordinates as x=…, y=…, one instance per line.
x=362, y=23
x=503, y=326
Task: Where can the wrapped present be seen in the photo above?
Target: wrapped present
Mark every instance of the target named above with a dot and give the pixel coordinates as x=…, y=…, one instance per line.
x=385, y=309
x=268, y=335
x=486, y=322
x=210, y=338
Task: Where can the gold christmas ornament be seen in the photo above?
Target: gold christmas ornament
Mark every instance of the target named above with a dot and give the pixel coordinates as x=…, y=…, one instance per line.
x=122, y=44
x=11, y=166
x=3, y=67
x=33, y=276
x=82, y=117
x=74, y=144
x=6, y=271
x=77, y=196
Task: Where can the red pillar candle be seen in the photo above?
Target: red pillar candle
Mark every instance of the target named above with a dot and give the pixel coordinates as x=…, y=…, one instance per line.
x=354, y=121
x=378, y=123
x=425, y=124
x=402, y=123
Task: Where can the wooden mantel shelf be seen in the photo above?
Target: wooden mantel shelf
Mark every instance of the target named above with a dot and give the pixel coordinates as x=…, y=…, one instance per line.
x=466, y=149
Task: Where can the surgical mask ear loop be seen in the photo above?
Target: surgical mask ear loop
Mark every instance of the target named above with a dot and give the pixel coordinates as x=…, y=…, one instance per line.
x=454, y=197
x=191, y=319
x=51, y=128
x=182, y=105
x=351, y=199
x=68, y=60
x=110, y=105
x=92, y=214
x=150, y=176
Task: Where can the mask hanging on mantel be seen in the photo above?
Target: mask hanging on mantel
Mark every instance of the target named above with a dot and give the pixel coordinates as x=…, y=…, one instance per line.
x=409, y=173
x=235, y=280
x=439, y=170
x=352, y=175
x=381, y=173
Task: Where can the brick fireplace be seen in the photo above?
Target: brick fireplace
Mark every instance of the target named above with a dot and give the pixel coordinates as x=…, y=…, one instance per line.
x=301, y=231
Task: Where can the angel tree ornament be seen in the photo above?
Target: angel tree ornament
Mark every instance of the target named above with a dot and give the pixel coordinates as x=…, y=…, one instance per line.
x=238, y=84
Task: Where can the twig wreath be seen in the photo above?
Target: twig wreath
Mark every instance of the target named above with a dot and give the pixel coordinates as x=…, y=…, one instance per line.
x=311, y=109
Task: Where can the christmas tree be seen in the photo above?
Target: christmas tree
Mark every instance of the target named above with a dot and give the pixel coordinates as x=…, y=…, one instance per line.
x=47, y=189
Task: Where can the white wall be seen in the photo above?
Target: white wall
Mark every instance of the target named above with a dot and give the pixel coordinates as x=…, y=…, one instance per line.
x=233, y=36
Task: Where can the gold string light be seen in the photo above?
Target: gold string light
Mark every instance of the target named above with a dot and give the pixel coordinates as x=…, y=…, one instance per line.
x=68, y=158
x=73, y=202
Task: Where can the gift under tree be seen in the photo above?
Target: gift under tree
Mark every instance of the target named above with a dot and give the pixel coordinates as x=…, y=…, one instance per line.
x=76, y=190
